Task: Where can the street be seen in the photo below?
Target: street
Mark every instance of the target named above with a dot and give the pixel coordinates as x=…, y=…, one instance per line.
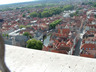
x=77, y=48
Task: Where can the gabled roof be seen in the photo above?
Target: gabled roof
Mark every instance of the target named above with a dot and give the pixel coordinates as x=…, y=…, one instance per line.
x=89, y=46
x=91, y=19
x=64, y=30
x=59, y=51
x=69, y=43
x=91, y=32
x=61, y=46
x=90, y=39
x=45, y=48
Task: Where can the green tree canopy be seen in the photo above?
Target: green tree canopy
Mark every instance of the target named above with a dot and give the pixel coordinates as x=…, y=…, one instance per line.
x=74, y=14
x=27, y=34
x=54, y=23
x=22, y=26
x=52, y=11
x=94, y=4
x=33, y=14
x=34, y=44
x=45, y=14
x=5, y=35
x=95, y=16
x=23, y=15
x=68, y=7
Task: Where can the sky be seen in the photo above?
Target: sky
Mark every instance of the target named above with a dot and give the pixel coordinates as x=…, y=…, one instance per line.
x=13, y=1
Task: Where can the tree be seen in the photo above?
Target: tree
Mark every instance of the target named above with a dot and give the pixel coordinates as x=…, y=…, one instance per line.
x=3, y=35
x=54, y=23
x=77, y=12
x=74, y=14
x=50, y=12
x=45, y=14
x=34, y=44
x=22, y=11
x=90, y=3
x=27, y=34
x=33, y=14
x=94, y=4
x=95, y=16
x=28, y=26
x=22, y=26
x=68, y=7
x=7, y=35
x=46, y=9
x=23, y=15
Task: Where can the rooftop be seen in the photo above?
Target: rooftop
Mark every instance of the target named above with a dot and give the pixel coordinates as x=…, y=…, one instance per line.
x=20, y=59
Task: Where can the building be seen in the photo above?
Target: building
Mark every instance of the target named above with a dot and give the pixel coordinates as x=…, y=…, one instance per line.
x=19, y=40
x=88, y=49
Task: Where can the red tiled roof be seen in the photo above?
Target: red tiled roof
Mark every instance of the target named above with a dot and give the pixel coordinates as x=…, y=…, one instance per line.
x=90, y=32
x=55, y=51
x=87, y=55
x=91, y=25
x=61, y=35
x=45, y=48
x=89, y=46
x=69, y=43
x=56, y=41
x=59, y=51
x=64, y=31
x=90, y=39
x=91, y=19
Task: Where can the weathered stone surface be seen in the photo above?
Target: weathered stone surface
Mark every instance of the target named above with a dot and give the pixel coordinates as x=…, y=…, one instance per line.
x=27, y=60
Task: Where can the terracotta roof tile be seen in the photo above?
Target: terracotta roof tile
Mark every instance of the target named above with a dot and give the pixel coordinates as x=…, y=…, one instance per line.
x=86, y=55
x=89, y=46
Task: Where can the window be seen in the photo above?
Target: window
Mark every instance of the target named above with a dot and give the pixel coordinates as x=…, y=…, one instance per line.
x=89, y=48
x=86, y=48
x=93, y=48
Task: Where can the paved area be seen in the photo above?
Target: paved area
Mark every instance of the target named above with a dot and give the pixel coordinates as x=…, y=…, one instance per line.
x=20, y=59
x=77, y=48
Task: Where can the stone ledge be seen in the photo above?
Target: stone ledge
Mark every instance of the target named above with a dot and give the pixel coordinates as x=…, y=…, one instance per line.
x=20, y=59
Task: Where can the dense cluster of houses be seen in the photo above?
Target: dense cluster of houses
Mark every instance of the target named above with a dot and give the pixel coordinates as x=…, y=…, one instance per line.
x=63, y=38
x=88, y=47
x=66, y=35
x=13, y=20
